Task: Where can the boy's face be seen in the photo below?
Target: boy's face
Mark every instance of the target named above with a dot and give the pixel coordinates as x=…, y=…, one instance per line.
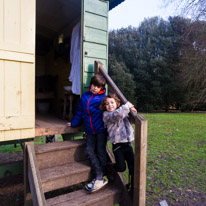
x=95, y=89
x=111, y=104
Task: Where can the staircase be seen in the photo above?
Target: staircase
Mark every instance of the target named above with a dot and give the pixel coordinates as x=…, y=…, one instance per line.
x=50, y=167
x=59, y=165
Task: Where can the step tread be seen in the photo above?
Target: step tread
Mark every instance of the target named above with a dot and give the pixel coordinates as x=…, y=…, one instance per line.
x=64, y=170
x=42, y=148
x=83, y=197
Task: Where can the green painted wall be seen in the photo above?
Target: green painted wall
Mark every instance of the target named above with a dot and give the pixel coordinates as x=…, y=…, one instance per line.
x=95, y=37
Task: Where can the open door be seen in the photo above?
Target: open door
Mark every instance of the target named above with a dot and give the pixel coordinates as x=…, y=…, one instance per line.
x=94, y=37
x=17, y=69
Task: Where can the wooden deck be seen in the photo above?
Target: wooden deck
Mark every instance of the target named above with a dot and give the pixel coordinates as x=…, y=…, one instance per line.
x=50, y=125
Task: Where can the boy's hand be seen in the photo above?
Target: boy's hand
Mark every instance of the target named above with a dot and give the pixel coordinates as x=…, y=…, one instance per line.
x=69, y=124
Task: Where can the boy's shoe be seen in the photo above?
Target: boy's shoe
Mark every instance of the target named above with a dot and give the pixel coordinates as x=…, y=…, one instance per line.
x=90, y=185
x=97, y=185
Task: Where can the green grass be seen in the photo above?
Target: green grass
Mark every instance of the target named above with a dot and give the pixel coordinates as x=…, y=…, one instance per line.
x=11, y=148
x=176, y=155
x=176, y=158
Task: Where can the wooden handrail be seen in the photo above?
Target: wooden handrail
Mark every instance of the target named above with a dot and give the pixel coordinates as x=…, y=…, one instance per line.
x=33, y=176
x=139, y=192
x=100, y=69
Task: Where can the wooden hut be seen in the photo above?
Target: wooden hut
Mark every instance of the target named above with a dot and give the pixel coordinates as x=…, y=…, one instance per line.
x=35, y=45
x=35, y=41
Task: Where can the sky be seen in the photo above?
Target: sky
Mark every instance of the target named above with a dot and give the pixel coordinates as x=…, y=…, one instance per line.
x=133, y=12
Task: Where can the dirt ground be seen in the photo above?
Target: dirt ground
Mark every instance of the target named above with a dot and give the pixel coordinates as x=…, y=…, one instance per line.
x=10, y=157
x=12, y=189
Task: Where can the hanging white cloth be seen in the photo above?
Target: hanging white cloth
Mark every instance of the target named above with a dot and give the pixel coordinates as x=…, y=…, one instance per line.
x=75, y=59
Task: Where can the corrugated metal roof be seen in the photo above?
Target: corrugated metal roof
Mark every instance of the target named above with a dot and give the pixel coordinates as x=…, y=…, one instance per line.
x=114, y=3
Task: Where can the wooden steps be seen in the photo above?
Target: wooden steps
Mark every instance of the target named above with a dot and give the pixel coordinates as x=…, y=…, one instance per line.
x=62, y=164
x=107, y=196
x=59, y=153
x=64, y=175
x=59, y=165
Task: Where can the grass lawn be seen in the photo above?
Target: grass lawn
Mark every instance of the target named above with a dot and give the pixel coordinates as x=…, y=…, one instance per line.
x=176, y=158
x=11, y=148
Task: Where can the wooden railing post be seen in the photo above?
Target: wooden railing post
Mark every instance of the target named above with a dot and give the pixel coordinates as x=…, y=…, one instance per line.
x=139, y=192
x=34, y=178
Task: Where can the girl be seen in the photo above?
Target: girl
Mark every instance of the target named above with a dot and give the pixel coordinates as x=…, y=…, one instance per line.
x=120, y=132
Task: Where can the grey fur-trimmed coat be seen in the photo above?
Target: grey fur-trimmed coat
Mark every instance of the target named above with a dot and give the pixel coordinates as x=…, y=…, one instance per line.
x=118, y=125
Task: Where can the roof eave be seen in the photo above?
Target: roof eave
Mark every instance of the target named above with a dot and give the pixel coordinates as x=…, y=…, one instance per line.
x=114, y=3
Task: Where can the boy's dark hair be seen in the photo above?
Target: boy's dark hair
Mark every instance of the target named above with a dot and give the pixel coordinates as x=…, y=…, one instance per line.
x=98, y=80
x=103, y=104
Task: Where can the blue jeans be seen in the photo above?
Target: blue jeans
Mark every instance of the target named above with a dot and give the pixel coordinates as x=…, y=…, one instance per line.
x=96, y=151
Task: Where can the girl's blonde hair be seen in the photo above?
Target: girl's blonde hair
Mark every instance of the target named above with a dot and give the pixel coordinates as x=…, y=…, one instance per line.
x=103, y=104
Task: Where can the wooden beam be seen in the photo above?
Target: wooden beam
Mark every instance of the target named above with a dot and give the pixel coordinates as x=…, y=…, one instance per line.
x=34, y=177
x=99, y=69
x=139, y=193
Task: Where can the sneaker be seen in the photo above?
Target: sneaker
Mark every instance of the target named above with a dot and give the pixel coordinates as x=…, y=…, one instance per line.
x=98, y=184
x=90, y=185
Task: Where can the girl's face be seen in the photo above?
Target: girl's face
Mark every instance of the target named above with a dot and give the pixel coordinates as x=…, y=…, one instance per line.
x=95, y=89
x=111, y=104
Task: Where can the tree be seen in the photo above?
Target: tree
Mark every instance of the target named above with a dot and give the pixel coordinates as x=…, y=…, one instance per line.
x=166, y=61
x=193, y=52
x=149, y=53
x=194, y=8
x=193, y=65
x=158, y=56
x=123, y=79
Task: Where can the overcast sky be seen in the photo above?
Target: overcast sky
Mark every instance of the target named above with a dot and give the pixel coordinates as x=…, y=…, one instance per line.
x=133, y=12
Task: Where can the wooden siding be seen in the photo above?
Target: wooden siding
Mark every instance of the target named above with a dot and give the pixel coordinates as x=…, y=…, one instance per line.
x=95, y=37
x=17, y=71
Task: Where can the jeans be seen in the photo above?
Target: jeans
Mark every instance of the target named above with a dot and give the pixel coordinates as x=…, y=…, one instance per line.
x=96, y=151
x=124, y=152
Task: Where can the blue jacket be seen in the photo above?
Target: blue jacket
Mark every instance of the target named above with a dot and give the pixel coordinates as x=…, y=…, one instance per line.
x=88, y=110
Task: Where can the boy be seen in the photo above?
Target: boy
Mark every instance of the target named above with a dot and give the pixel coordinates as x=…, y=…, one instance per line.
x=88, y=110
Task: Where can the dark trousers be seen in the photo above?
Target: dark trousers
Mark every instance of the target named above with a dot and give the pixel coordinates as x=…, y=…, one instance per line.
x=96, y=151
x=124, y=152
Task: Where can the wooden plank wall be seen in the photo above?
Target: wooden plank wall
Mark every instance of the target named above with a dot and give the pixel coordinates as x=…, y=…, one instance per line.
x=95, y=38
x=17, y=48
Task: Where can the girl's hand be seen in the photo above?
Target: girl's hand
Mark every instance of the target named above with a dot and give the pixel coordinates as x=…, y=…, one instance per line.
x=130, y=105
x=133, y=109
x=69, y=124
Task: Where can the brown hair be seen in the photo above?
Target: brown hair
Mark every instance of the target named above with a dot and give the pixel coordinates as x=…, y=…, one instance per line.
x=103, y=104
x=98, y=80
